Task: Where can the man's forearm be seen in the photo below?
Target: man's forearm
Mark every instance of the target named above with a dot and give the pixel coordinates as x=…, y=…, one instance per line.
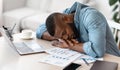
x=47, y=36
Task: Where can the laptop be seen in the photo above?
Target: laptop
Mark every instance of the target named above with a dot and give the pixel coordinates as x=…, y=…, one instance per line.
x=24, y=47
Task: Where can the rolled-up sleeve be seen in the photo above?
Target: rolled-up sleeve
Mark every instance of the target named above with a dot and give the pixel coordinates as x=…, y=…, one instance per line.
x=96, y=26
x=40, y=30
x=88, y=50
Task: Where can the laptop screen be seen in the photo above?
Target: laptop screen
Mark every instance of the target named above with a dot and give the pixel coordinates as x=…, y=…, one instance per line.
x=8, y=37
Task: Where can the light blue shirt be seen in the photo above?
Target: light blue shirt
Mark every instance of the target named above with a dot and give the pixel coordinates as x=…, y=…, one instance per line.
x=93, y=30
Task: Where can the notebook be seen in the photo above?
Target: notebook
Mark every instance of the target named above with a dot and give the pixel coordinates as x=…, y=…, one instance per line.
x=23, y=48
x=104, y=65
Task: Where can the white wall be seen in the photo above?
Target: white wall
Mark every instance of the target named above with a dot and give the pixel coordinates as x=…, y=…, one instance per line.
x=104, y=7
x=0, y=13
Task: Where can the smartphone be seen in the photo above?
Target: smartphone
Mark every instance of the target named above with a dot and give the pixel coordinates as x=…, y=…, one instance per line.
x=72, y=66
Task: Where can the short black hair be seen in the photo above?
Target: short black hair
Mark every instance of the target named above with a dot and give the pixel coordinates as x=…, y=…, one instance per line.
x=50, y=24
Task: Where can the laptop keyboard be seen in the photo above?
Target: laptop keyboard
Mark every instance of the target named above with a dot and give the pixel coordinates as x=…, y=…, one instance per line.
x=28, y=47
x=23, y=48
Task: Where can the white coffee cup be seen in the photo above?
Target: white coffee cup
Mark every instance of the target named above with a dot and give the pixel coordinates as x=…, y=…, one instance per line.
x=27, y=34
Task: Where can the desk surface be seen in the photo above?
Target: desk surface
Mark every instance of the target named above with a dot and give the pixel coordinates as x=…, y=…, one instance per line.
x=11, y=60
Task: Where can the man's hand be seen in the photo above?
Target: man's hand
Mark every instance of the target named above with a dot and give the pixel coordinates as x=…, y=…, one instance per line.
x=64, y=43
x=71, y=44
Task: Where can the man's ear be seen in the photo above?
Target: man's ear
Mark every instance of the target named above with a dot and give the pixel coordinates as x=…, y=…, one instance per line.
x=66, y=19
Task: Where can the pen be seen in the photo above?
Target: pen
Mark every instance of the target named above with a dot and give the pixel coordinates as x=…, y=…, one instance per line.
x=85, y=61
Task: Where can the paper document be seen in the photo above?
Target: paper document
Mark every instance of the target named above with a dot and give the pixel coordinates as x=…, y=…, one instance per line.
x=61, y=52
x=88, y=58
x=59, y=61
x=60, y=57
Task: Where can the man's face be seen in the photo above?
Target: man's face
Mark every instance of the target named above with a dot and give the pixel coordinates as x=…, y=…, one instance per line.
x=63, y=30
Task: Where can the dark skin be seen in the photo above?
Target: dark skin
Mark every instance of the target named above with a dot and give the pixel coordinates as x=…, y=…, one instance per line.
x=64, y=34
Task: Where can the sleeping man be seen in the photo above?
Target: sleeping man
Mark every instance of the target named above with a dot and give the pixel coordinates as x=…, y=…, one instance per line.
x=80, y=28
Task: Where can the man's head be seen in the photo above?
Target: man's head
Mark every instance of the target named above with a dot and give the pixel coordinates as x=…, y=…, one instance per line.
x=61, y=25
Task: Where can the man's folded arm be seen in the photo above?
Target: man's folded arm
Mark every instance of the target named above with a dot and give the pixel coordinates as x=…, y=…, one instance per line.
x=96, y=25
x=42, y=33
x=40, y=30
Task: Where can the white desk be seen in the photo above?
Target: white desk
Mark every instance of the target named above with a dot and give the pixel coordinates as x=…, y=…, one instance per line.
x=11, y=60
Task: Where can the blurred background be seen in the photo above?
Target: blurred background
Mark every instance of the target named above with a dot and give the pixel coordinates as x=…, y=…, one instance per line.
x=26, y=13
x=29, y=14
